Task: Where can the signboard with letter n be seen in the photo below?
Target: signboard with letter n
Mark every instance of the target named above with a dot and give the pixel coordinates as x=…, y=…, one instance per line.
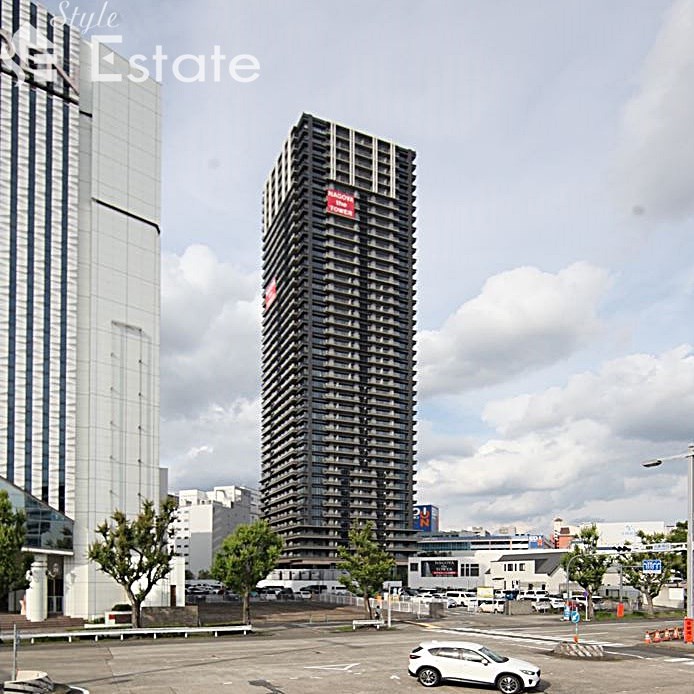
x=340, y=203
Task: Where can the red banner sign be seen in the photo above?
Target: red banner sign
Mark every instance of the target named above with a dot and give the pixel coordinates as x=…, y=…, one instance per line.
x=340, y=203
x=270, y=293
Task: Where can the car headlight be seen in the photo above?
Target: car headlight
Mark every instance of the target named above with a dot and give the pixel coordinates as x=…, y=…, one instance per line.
x=528, y=672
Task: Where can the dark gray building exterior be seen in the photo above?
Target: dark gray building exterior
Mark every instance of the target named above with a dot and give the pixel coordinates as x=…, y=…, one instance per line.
x=338, y=441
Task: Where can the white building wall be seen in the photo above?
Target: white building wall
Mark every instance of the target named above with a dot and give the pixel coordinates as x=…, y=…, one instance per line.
x=618, y=533
x=206, y=518
x=117, y=463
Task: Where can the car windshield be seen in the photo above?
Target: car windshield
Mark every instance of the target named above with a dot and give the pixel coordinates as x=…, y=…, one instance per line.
x=493, y=656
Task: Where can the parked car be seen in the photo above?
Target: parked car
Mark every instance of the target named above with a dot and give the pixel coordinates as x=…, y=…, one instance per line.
x=542, y=605
x=598, y=603
x=458, y=595
x=532, y=594
x=305, y=594
x=435, y=661
x=492, y=606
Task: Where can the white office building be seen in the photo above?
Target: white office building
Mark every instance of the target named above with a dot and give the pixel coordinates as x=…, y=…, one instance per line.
x=205, y=518
x=79, y=299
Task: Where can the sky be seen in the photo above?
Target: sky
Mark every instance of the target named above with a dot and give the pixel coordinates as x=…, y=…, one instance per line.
x=555, y=219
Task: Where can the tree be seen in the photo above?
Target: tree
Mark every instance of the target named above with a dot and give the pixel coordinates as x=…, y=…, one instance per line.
x=136, y=553
x=246, y=557
x=649, y=585
x=585, y=565
x=366, y=564
x=679, y=534
x=13, y=564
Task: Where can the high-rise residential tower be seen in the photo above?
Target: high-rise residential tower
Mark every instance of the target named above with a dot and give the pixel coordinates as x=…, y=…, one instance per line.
x=338, y=442
x=79, y=298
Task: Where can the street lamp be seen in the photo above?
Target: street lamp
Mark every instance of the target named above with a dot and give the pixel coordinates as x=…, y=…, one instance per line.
x=690, y=520
x=568, y=576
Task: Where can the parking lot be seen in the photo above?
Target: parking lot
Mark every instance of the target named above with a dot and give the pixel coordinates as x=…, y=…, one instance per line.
x=331, y=658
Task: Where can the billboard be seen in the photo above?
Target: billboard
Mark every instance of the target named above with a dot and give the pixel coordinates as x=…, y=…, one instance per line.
x=536, y=542
x=270, y=293
x=340, y=203
x=426, y=518
x=433, y=568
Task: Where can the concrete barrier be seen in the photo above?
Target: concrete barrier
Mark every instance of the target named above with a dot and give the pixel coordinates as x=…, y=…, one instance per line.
x=579, y=650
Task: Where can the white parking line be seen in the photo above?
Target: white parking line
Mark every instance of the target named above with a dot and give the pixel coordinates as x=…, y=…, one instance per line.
x=341, y=667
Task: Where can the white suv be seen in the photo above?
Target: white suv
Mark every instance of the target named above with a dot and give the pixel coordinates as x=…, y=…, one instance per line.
x=532, y=595
x=462, y=661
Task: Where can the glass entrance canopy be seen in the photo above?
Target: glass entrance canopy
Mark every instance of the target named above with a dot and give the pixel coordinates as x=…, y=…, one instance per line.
x=47, y=529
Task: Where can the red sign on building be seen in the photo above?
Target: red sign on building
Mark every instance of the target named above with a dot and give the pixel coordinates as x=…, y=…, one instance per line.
x=340, y=203
x=270, y=293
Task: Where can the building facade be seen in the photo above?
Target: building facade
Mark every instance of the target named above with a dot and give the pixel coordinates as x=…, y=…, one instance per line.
x=338, y=392
x=452, y=542
x=79, y=293
x=205, y=519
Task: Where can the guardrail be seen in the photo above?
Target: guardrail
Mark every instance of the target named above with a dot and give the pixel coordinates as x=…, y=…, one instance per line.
x=413, y=607
x=122, y=633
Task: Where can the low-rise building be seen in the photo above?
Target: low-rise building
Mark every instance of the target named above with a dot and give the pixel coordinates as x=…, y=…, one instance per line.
x=530, y=570
x=205, y=518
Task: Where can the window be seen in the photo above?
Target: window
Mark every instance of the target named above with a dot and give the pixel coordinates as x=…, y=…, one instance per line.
x=446, y=652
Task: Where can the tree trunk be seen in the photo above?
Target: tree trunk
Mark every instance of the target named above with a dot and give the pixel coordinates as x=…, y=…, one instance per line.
x=589, y=604
x=367, y=607
x=650, y=611
x=246, y=608
x=135, y=610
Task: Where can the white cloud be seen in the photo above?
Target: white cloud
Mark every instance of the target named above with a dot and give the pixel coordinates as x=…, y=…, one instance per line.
x=639, y=396
x=575, y=451
x=210, y=333
x=523, y=319
x=655, y=162
x=216, y=446
x=210, y=371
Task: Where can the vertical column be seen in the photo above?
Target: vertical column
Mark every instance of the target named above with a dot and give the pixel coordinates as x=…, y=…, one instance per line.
x=36, y=594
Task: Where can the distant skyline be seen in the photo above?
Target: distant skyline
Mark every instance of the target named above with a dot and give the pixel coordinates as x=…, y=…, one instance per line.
x=555, y=218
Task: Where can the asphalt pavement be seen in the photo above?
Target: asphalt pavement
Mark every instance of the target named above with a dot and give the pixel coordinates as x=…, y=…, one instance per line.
x=333, y=659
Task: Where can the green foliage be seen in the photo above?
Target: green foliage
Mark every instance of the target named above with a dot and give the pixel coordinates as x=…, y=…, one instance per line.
x=679, y=534
x=204, y=574
x=136, y=553
x=246, y=557
x=13, y=564
x=586, y=566
x=649, y=585
x=366, y=564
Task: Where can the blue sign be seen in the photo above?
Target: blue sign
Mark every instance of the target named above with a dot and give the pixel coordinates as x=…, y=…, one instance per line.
x=426, y=518
x=575, y=617
x=652, y=566
x=567, y=614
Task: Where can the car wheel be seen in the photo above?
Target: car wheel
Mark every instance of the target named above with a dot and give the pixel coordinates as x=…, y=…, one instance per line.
x=429, y=676
x=509, y=684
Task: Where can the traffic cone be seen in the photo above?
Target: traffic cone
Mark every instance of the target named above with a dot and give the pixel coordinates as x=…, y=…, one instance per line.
x=647, y=638
x=676, y=636
x=656, y=637
x=666, y=635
